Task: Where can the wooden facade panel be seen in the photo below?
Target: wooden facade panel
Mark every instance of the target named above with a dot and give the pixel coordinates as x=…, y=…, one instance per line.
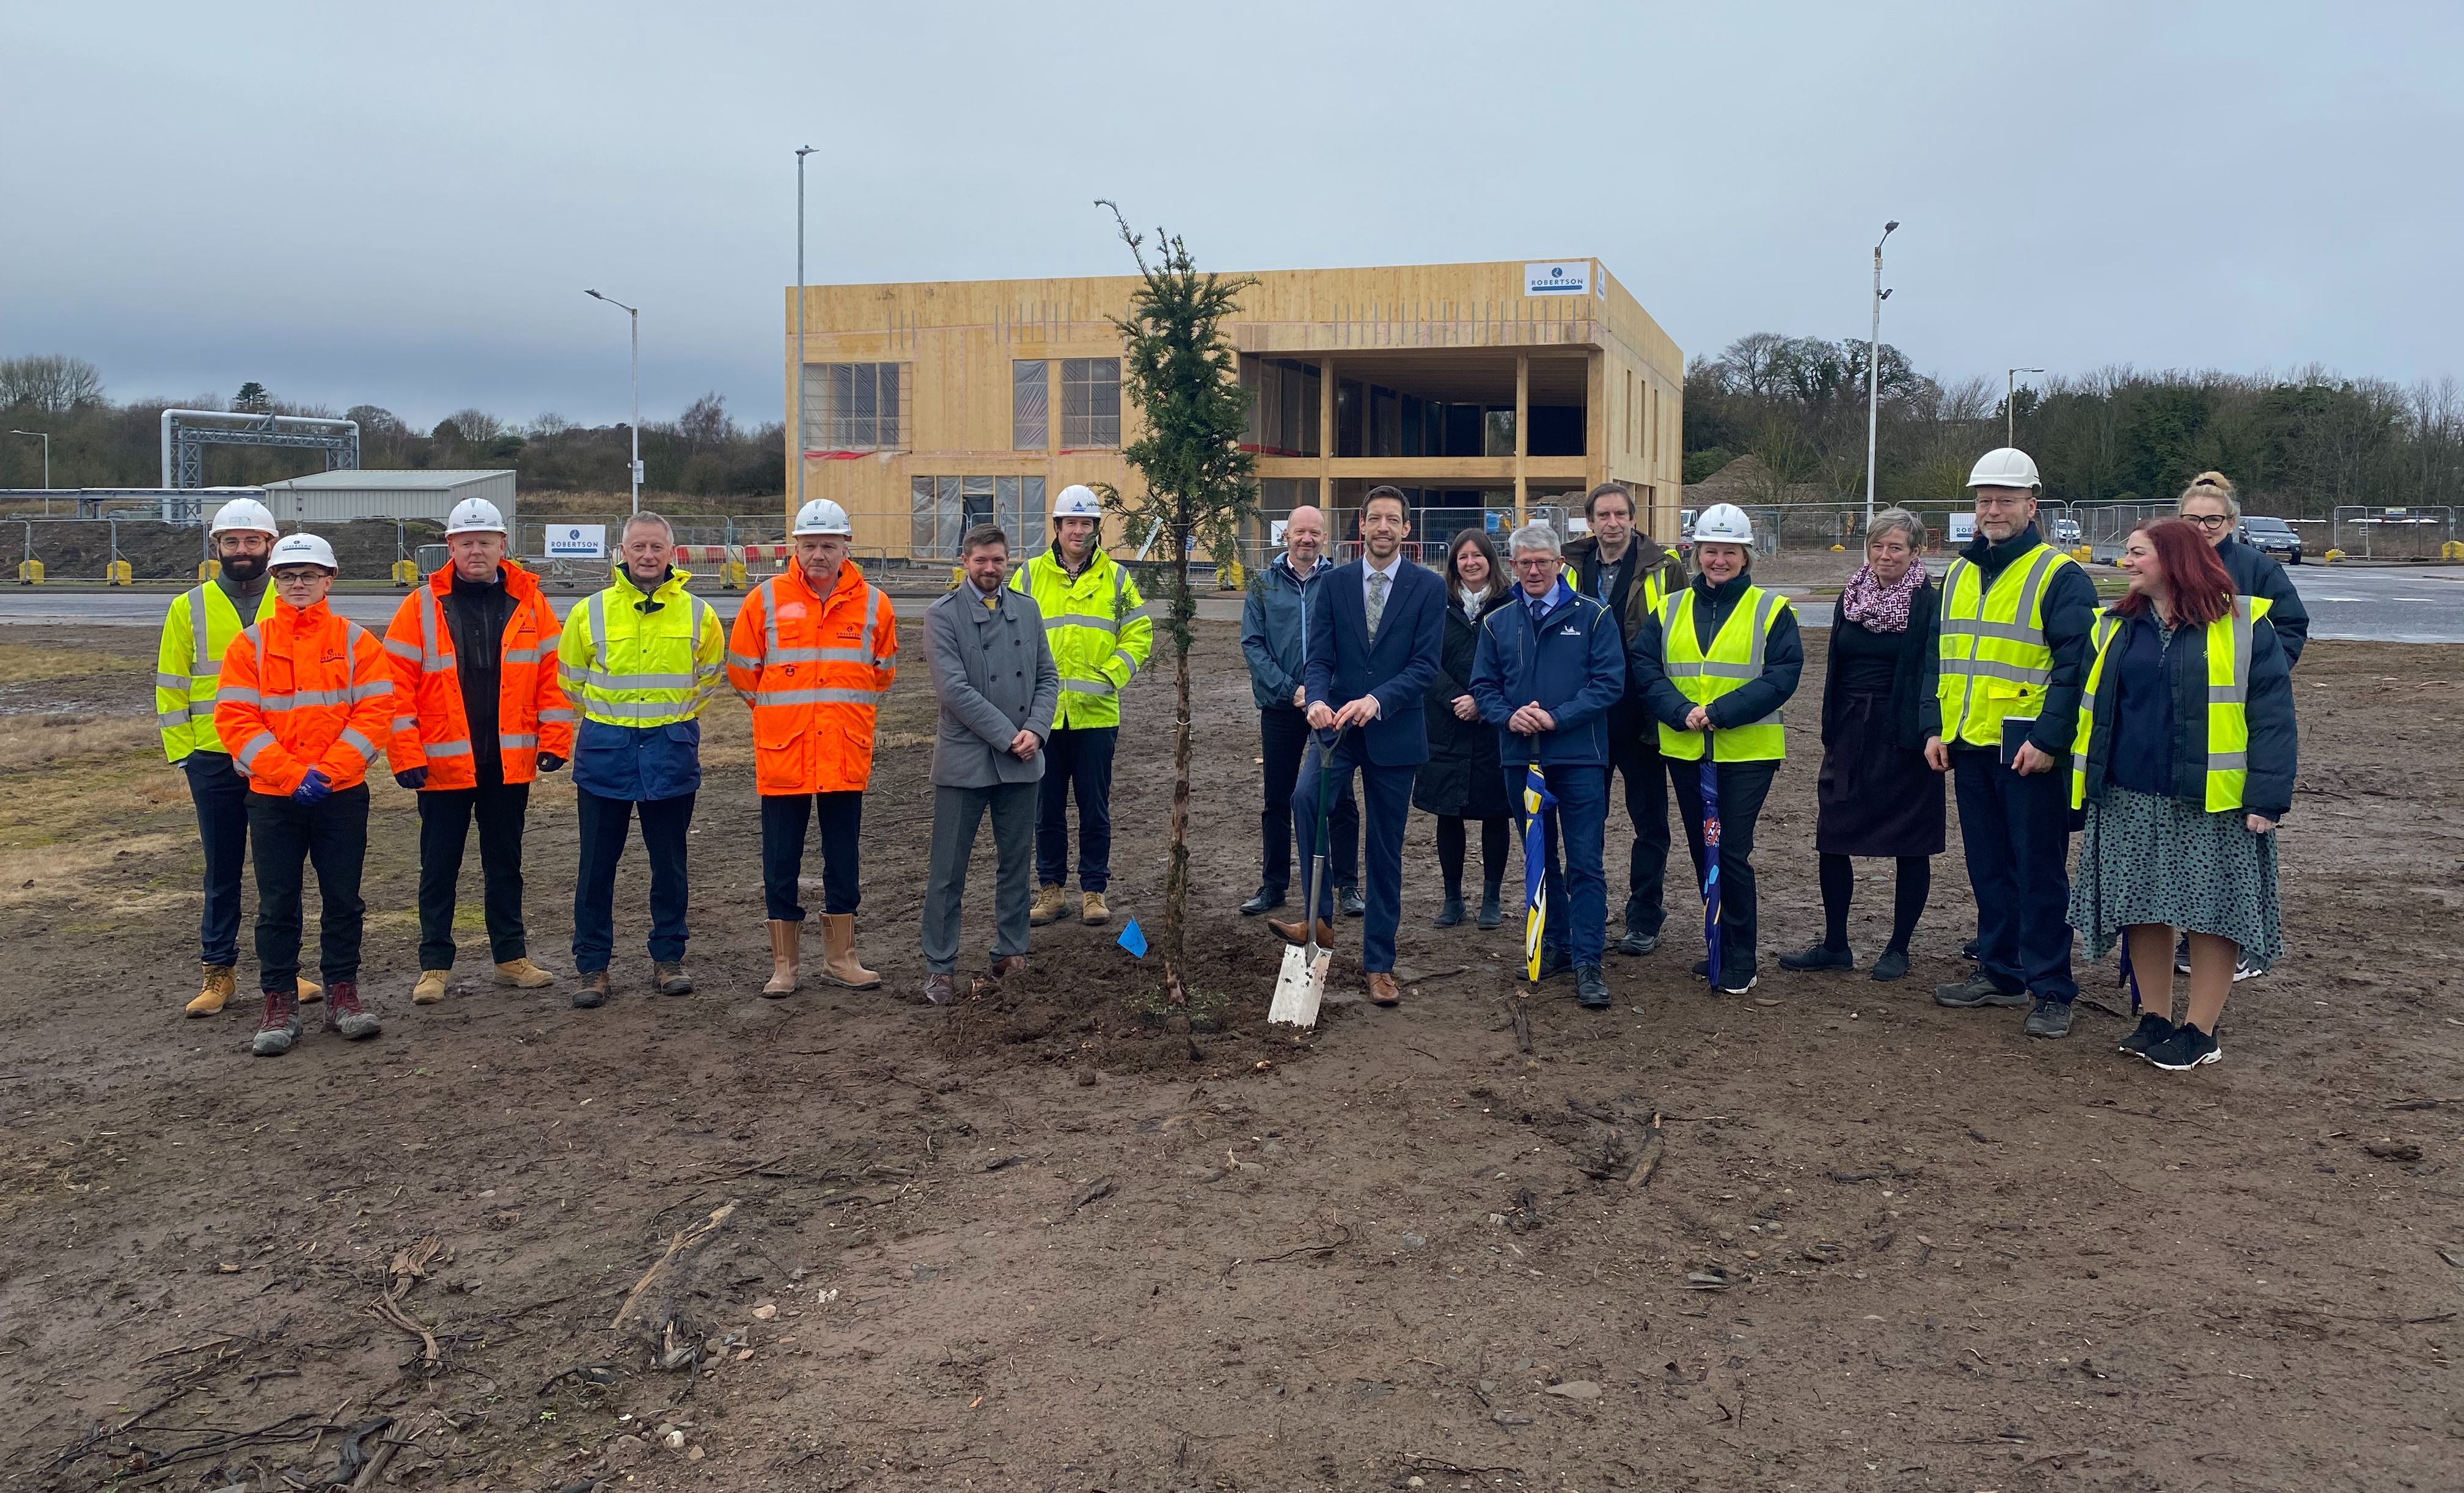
x=1458, y=332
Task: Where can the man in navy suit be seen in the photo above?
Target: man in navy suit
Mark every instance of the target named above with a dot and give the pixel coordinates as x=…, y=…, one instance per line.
x=1375, y=635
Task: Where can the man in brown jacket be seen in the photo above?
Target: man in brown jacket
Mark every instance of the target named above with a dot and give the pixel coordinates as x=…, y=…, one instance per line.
x=1628, y=572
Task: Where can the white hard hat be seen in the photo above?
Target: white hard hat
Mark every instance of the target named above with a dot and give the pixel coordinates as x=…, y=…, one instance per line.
x=1078, y=501
x=2005, y=465
x=1723, y=524
x=302, y=549
x=245, y=512
x=821, y=516
x=474, y=515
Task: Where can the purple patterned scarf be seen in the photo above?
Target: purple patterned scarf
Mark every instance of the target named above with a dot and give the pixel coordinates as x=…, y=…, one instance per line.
x=1879, y=608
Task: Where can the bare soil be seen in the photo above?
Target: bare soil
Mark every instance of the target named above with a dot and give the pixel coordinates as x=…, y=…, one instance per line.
x=1052, y=1240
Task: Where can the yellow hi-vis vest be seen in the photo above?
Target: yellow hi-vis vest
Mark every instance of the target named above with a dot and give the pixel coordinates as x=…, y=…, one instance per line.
x=197, y=631
x=2228, y=642
x=1736, y=658
x=1995, y=662
x=625, y=667
x=1098, y=635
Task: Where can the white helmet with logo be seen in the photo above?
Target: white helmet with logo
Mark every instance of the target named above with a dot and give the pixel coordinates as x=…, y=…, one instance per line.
x=2005, y=465
x=1078, y=501
x=304, y=549
x=1723, y=524
x=245, y=514
x=821, y=516
x=474, y=515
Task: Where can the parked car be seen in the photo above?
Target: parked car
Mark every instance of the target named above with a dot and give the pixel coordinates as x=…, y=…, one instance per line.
x=2273, y=535
x=2066, y=533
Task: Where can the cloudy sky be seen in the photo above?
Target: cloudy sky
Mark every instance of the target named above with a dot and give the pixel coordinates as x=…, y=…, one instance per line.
x=403, y=205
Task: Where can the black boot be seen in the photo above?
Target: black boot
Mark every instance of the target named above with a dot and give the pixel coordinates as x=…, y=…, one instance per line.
x=1491, y=915
x=1451, y=915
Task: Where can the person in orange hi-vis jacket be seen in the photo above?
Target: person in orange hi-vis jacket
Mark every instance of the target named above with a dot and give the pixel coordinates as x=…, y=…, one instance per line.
x=305, y=698
x=479, y=716
x=813, y=652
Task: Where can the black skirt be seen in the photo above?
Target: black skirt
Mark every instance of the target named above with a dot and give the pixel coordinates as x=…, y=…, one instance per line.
x=1875, y=796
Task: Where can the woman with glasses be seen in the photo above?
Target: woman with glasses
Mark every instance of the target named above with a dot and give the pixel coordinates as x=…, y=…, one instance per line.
x=2209, y=503
x=1463, y=779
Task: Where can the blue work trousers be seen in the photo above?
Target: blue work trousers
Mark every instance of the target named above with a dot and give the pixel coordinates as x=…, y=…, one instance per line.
x=1574, y=832
x=607, y=823
x=2017, y=835
x=221, y=795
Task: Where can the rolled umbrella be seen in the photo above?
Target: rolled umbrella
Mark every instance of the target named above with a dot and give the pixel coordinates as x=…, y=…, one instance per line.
x=1711, y=781
x=1537, y=801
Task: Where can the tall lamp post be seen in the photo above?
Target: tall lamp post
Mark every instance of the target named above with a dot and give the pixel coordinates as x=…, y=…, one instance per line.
x=44, y=436
x=798, y=421
x=1874, y=369
x=636, y=314
x=2009, y=410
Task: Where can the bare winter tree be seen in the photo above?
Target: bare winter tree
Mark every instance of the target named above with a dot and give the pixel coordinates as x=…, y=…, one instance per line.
x=49, y=383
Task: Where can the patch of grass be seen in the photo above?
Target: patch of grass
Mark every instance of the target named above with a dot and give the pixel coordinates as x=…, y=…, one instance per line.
x=25, y=663
x=35, y=742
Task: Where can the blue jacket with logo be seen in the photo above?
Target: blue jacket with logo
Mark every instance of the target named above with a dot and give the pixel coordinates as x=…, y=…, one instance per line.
x=1570, y=662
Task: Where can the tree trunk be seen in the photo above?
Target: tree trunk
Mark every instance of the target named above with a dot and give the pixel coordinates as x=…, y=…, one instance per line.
x=1176, y=884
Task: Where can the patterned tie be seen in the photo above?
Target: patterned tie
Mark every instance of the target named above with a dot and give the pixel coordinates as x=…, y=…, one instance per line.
x=1376, y=601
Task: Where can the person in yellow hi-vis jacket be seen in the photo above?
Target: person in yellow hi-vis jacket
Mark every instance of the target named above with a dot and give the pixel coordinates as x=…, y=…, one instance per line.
x=187, y=672
x=639, y=661
x=1096, y=623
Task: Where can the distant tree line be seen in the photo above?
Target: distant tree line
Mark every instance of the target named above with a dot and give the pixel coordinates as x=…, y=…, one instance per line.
x=97, y=443
x=2297, y=445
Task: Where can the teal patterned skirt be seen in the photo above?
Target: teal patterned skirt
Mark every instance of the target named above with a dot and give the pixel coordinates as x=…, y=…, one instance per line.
x=2160, y=860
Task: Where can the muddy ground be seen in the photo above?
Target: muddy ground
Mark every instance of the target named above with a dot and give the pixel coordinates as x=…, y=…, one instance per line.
x=1040, y=1243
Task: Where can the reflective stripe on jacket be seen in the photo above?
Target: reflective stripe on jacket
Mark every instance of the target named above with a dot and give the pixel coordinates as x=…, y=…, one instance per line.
x=430, y=727
x=625, y=666
x=813, y=668
x=1736, y=657
x=2218, y=751
x=1098, y=633
x=1995, y=662
x=304, y=689
x=189, y=664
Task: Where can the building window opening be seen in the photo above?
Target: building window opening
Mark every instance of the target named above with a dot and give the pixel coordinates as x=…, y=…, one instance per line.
x=1030, y=405
x=1091, y=403
x=852, y=406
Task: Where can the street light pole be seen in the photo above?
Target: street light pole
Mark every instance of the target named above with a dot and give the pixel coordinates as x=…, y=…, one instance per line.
x=2010, y=411
x=798, y=421
x=1874, y=369
x=635, y=314
x=44, y=436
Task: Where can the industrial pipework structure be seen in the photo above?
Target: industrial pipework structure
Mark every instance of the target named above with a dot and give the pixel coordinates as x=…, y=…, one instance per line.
x=187, y=432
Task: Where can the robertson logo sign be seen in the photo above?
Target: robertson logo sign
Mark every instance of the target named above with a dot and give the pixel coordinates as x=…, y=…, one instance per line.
x=1558, y=279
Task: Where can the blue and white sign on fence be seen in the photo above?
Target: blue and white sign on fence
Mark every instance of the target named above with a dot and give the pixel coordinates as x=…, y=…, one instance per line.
x=577, y=541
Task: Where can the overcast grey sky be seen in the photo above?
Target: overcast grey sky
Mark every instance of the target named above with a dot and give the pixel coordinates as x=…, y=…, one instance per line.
x=402, y=205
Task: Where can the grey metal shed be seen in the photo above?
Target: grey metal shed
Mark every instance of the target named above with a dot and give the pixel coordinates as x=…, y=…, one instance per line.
x=340, y=496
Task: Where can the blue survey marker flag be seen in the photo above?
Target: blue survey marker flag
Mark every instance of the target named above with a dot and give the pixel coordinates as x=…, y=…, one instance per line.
x=1133, y=940
x=1537, y=800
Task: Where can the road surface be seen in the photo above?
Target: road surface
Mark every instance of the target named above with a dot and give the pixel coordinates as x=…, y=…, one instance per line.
x=2416, y=604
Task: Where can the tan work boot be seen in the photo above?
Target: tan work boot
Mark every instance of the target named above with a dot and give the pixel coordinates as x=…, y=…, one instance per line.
x=838, y=937
x=1048, y=906
x=310, y=992
x=221, y=984
x=430, y=988
x=786, y=946
x=1092, y=910
x=523, y=975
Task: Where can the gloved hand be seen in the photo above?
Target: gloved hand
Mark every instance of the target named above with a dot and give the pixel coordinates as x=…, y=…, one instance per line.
x=549, y=761
x=314, y=788
x=414, y=779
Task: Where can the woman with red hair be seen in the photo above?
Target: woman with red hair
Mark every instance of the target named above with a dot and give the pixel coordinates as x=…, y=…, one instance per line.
x=2183, y=760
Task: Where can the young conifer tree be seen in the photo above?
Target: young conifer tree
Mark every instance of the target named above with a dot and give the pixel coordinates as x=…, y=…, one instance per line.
x=1180, y=372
